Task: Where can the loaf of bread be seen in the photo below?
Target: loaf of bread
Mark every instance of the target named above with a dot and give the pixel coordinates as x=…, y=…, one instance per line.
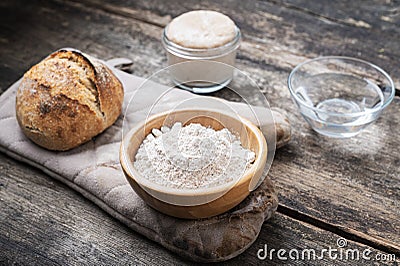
x=67, y=99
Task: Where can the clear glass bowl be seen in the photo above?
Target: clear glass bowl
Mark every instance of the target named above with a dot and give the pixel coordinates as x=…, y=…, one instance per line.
x=339, y=96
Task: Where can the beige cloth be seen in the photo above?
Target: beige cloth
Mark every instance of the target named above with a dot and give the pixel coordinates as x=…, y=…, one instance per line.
x=93, y=169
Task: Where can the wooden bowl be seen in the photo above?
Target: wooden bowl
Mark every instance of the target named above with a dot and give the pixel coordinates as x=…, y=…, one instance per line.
x=194, y=203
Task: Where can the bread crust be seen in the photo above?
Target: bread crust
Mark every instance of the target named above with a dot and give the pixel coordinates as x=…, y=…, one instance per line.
x=67, y=99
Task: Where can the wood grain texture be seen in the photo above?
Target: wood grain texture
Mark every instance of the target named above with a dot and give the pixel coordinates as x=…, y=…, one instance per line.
x=72, y=231
x=350, y=166
x=43, y=222
x=279, y=34
x=349, y=169
x=349, y=186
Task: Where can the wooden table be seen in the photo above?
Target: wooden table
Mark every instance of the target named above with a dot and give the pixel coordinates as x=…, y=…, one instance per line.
x=328, y=189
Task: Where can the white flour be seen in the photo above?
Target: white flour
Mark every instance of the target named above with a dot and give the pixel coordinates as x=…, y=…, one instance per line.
x=192, y=157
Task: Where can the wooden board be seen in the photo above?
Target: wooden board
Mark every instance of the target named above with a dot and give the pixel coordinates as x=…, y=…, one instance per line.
x=348, y=187
x=71, y=230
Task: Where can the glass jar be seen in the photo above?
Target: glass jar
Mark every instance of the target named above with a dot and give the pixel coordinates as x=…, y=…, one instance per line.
x=203, y=75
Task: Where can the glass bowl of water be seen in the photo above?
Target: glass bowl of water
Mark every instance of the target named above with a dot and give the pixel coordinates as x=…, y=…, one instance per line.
x=339, y=96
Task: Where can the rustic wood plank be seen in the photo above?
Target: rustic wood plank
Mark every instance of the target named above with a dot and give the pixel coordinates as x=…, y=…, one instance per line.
x=44, y=222
x=349, y=169
x=284, y=30
x=376, y=15
x=356, y=186
x=272, y=46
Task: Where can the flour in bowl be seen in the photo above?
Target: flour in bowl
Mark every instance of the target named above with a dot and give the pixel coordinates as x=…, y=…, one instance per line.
x=192, y=156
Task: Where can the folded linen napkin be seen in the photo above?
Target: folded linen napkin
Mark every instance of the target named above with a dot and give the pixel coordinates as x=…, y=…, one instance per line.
x=93, y=169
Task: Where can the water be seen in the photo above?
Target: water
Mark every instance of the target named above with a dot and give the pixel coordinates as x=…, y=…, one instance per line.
x=343, y=103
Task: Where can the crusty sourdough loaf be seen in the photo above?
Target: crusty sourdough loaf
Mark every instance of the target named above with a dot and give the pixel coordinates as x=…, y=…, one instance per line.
x=67, y=99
